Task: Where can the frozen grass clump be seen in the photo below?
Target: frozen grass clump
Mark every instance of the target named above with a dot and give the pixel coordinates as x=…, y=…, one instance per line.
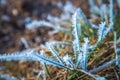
x=80, y=43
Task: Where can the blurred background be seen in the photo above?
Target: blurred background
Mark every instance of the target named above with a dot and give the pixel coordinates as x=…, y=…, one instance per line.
x=15, y=14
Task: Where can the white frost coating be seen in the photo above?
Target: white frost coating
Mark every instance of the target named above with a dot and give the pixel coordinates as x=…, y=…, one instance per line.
x=68, y=61
x=27, y=19
x=101, y=31
x=23, y=41
x=53, y=19
x=117, y=49
x=37, y=23
x=7, y=77
x=59, y=4
x=118, y=1
x=69, y=7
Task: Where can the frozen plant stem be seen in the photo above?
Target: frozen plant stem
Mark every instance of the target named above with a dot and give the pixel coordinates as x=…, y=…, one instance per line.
x=103, y=66
x=116, y=49
x=96, y=77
